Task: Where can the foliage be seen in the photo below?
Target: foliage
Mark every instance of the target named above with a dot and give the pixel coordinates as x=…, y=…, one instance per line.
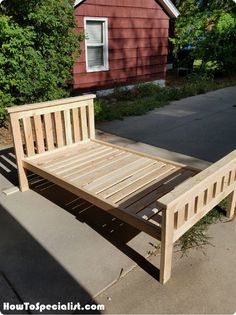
x=145, y=97
x=209, y=28
x=38, y=45
x=197, y=236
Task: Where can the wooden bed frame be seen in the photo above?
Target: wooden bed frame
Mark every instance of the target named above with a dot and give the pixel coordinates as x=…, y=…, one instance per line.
x=56, y=140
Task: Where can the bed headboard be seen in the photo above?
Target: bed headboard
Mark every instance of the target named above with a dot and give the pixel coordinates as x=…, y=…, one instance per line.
x=46, y=126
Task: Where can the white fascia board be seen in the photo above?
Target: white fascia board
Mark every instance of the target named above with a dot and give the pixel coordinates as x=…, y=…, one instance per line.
x=170, y=8
x=77, y=2
x=167, y=4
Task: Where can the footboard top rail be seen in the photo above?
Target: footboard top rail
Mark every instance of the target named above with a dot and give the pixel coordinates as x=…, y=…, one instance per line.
x=220, y=174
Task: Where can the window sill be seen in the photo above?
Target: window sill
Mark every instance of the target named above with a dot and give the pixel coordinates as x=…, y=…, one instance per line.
x=97, y=70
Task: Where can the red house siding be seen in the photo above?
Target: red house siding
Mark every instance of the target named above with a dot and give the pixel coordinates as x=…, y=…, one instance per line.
x=137, y=39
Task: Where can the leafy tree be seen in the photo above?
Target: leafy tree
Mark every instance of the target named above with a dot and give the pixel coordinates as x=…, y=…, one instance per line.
x=39, y=44
x=209, y=27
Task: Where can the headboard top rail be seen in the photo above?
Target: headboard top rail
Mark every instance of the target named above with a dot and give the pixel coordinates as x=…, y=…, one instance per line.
x=64, y=101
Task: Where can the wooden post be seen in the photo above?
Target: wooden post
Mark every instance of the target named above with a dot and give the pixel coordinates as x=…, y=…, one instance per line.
x=15, y=126
x=231, y=205
x=167, y=232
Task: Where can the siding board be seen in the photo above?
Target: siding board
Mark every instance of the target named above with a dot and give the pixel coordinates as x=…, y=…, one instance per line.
x=139, y=33
x=119, y=74
x=129, y=62
x=115, y=54
x=132, y=23
x=128, y=80
x=111, y=12
x=138, y=42
x=126, y=3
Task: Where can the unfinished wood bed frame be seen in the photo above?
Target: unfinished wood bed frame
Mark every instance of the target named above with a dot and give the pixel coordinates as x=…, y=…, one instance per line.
x=56, y=140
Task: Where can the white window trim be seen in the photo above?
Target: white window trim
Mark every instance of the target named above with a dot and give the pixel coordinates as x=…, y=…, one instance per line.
x=105, y=46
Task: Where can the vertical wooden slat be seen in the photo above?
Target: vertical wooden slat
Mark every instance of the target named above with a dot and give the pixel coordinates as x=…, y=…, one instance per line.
x=68, y=131
x=84, y=124
x=180, y=217
x=205, y=198
x=195, y=204
x=39, y=134
x=29, y=141
x=200, y=201
x=217, y=188
x=208, y=193
x=91, y=124
x=230, y=177
x=76, y=125
x=191, y=208
x=223, y=184
x=18, y=145
x=59, y=129
x=213, y=191
x=48, y=131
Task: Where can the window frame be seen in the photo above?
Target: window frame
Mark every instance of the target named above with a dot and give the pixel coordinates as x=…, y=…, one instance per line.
x=105, y=44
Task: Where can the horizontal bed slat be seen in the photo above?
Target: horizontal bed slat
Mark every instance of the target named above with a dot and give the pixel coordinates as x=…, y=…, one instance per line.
x=142, y=172
x=95, y=163
x=107, y=166
x=124, y=170
x=79, y=158
x=123, y=180
x=142, y=183
x=147, y=196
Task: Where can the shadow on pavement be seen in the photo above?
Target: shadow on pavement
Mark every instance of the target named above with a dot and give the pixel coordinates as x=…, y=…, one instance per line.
x=27, y=264
x=31, y=272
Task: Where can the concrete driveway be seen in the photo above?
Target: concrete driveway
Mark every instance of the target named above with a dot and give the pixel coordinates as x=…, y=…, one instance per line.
x=202, y=126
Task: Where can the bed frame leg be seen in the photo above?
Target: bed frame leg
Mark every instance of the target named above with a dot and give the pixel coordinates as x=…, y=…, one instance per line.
x=231, y=205
x=166, y=245
x=17, y=139
x=23, y=181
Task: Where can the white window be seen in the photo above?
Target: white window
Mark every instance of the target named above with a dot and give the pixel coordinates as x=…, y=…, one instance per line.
x=96, y=44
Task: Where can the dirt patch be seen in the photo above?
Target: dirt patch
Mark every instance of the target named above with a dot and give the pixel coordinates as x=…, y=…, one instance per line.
x=5, y=136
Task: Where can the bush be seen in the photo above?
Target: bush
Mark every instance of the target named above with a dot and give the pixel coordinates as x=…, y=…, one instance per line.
x=145, y=90
x=38, y=46
x=209, y=29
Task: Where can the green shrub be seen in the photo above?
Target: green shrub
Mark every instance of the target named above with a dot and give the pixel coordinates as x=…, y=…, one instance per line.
x=121, y=93
x=209, y=28
x=145, y=90
x=38, y=47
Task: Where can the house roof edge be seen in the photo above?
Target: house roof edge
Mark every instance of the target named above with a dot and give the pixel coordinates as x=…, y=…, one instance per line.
x=167, y=5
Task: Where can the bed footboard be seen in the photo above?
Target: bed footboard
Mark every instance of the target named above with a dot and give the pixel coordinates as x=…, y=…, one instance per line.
x=192, y=200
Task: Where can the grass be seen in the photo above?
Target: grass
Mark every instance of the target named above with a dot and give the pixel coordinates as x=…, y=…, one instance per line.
x=197, y=236
x=145, y=97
